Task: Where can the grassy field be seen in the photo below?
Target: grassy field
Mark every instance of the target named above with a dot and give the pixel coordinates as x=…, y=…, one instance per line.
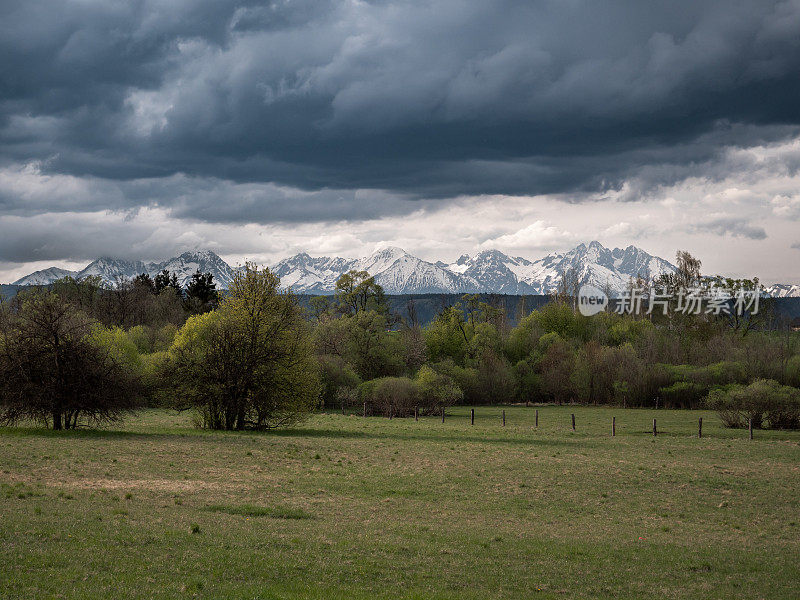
x=347, y=507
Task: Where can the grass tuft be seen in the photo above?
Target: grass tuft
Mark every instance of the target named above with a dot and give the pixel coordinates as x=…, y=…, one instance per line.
x=252, y=510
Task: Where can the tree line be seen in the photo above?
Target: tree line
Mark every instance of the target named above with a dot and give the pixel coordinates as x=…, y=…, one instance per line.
x=75, y=353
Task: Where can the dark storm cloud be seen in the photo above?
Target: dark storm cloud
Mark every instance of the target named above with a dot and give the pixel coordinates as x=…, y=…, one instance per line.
x=420, y=99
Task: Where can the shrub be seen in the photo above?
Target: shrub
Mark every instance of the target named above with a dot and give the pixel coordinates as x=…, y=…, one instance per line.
x=683, y=394
x=495, y=382
x=763, y=402
x=793, y=370
x=436, y=391
x=465, y=378
x=395, y=396
x=336, y=375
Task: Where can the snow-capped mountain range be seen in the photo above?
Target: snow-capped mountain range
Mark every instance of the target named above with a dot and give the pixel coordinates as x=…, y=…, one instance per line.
x=111, y=270
x=399, y=272
x=490, y=271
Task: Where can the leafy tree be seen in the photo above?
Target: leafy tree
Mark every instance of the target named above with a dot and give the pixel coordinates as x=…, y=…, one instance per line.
x=449, y=335
x=247, y=364
x=556, y=367
x=319, y=307
x=362, y=340
x=58, y=367
x=357, y=291
x=84, y=294
x=495, y=379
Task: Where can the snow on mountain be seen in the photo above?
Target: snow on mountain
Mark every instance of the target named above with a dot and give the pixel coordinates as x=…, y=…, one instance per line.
x=781, y=290
x=399, y=272
x=593, y=264
x=307, y=275
x=394, y=269
x=44, y=277
x=597, y=265
x=112, y=270
x=185, y=265
x=490, y=271
x=494, y=272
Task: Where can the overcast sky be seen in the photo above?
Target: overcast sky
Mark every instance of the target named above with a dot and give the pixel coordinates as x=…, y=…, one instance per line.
x=140, y=129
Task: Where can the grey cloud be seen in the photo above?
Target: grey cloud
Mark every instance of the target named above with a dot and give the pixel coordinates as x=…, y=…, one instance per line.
x=431, y=99
x=300, y=111
x=731, y=226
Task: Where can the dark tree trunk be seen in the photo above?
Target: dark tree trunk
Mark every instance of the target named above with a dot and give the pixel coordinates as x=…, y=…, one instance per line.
x=56, y=420
x=240, y=417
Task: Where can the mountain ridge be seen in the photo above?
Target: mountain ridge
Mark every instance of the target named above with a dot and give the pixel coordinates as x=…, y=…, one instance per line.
x=399, y=272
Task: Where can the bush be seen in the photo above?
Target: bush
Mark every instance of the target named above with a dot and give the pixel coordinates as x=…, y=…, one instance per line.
x=793, y=371
x=683, y=394
x=395, y=396
x=690, y=384
x=436, y=391
x=336, y=375
x=465, y=379
x=763, y=402
x=496, y=382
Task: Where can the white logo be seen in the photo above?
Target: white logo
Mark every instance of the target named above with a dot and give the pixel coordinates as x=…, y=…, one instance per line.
x=591, y=300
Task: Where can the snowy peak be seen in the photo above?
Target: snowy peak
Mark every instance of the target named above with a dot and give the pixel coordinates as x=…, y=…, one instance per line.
x=185, y=265
x=306, y=274
x=45, y=276
x=495, y=272
x=489, y=271
x=113, y=270
x=781, y=290
x=398, y=272
x=600, y=266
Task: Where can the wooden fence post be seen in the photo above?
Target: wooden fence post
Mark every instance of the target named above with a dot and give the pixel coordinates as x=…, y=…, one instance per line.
x=504, y=418
x=472, y=417
x=416, y=413
x=537, y=417
x=443, y=414
x=573, y=421
x=613, y=426
x=750, y=427
x=654, y=428
x=700, y=427
x=365, y=409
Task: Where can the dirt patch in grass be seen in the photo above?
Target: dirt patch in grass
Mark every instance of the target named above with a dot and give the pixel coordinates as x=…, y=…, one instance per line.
x=156, y=485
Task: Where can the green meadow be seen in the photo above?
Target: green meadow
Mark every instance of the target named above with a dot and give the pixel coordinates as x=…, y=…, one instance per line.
x=349, y=507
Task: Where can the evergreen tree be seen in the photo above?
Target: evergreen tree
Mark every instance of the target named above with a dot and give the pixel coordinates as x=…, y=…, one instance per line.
x=164, y=280
x=145, y=281
x=201, y=293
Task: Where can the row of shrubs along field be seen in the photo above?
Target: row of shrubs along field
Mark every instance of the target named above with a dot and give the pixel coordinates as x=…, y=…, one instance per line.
x=75, y=354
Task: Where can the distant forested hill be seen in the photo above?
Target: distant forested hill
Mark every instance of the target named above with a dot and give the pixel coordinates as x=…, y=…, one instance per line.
x=427, y=306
